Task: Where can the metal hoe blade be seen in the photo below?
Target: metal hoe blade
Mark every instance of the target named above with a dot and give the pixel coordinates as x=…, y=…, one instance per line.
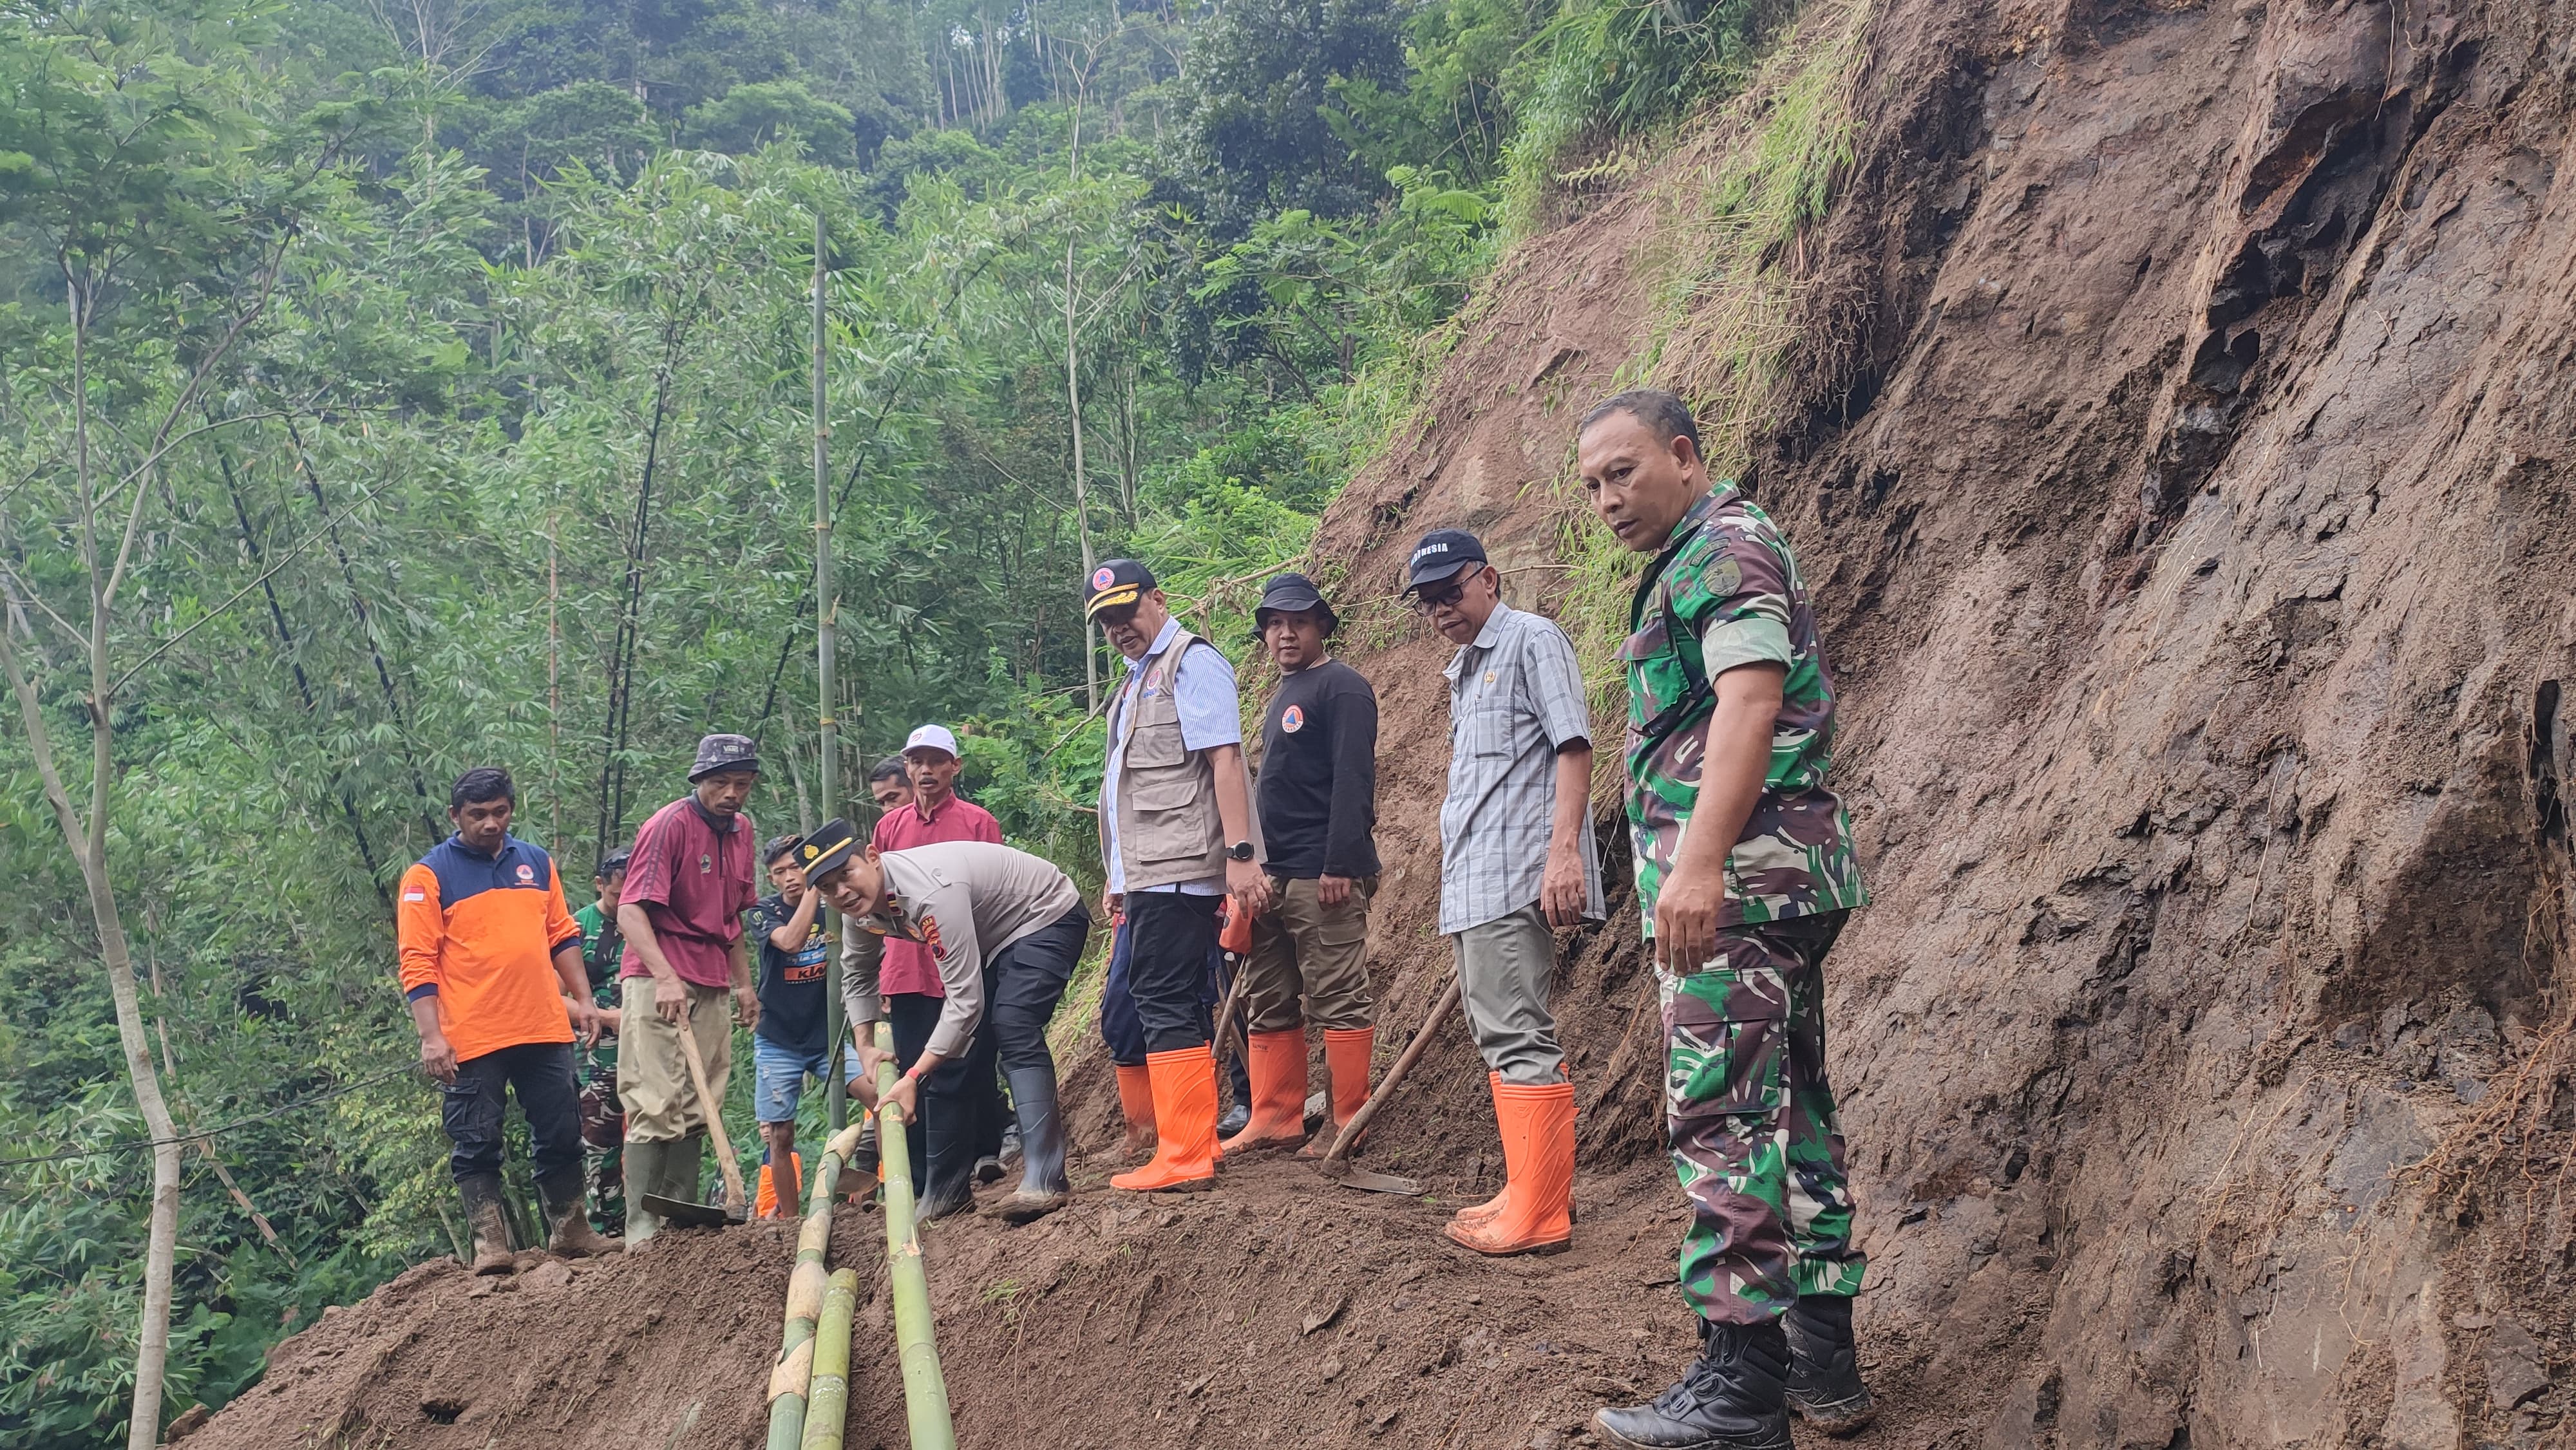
x=686, y=1214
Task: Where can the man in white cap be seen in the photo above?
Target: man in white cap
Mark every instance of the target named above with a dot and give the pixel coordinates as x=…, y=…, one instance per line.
x=963, y=1101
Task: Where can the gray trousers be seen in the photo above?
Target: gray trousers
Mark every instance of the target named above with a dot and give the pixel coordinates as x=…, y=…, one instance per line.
x=1504, y=967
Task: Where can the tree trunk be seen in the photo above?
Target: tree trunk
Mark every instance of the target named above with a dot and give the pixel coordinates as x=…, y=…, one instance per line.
x=88, y=843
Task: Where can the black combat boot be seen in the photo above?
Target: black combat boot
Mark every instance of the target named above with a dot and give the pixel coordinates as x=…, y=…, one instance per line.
x=1824, y=1365
x=1733, y=1397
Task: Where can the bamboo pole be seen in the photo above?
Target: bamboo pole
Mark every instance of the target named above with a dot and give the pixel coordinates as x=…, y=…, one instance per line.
x=790, y=1380
x=925, y=1394
x=829, y=1403
x=827, y=606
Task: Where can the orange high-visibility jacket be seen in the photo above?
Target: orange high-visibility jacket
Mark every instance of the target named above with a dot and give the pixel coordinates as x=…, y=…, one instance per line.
x=480, y=933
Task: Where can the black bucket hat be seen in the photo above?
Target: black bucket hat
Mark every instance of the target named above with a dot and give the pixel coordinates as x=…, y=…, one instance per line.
x=1292, y=594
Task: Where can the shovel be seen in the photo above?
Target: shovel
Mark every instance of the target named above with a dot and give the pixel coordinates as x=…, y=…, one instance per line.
x=1336, y=1163
x=699, y=1215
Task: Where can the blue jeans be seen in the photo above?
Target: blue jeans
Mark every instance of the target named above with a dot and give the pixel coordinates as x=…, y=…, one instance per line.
x=778, y=1078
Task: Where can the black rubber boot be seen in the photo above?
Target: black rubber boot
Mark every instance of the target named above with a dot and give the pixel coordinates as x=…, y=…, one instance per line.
x=1043, y=1187
x=948, y=1185
x=1824, y=1365
x=1733, y=1397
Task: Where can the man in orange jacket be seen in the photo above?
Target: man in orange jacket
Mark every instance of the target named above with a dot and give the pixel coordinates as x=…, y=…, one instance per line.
x=491, y=966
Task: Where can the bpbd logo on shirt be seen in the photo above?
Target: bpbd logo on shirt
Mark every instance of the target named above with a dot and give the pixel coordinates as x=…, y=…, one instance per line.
x=527, y=874
x=1293, y=719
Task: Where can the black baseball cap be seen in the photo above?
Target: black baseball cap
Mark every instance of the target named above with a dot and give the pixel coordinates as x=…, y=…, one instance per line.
x=828, y=848
x=1442, y=553
x=1292, y=594
x=724, y=752
x=1115, y=582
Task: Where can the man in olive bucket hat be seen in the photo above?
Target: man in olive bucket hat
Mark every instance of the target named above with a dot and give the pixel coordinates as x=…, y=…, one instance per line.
x=688, y=882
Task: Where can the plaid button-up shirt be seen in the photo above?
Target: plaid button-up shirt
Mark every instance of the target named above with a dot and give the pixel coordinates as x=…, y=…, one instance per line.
x=1515, y=697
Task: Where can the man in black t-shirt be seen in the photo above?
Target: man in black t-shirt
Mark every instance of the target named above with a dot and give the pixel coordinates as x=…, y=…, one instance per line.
x=790, y=1042
x=1318, y=799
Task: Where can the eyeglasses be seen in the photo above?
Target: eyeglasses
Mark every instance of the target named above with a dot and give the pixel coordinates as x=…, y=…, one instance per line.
x=1116, y=618
x=1438, y=597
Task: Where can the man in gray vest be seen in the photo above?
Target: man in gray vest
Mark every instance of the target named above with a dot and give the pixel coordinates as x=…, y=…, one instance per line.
x=1176, y=836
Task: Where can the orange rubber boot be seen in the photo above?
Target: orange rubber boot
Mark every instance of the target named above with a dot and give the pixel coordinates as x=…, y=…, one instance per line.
x=1184, y=1125
x=1136, y=1104
x=1479, y=1213
x=1538, y=1156
x=1278, y=1069
x=1346, y=1052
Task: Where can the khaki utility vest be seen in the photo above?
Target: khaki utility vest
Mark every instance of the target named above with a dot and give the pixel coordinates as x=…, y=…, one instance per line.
x=1168, y=829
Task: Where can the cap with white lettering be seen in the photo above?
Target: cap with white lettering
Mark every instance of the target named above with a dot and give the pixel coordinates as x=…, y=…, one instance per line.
x=1442, y=553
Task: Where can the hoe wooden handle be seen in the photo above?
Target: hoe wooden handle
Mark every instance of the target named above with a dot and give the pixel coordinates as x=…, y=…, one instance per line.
x=1404, y=1062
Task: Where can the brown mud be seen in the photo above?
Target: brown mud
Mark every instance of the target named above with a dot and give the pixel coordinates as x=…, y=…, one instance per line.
x=2178, y=444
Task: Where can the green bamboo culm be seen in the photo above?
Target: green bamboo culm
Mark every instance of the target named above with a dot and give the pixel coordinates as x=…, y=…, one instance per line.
x=925, y=1393
x=828, y=1401
x=789, y=1378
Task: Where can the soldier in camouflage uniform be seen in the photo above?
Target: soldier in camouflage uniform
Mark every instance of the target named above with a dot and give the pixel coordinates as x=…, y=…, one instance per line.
x=1730, y=732
x=603, y=1118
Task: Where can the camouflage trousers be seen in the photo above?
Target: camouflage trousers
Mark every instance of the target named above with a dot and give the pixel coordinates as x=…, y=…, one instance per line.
x=603, y=1142
x=1754, y=1136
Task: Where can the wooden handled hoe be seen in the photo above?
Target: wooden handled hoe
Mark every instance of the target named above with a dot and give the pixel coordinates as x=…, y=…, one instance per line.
x=737, y=1207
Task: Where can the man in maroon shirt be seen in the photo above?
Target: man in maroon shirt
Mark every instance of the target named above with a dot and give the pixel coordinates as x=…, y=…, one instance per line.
x=910, y=981
x=688, y=882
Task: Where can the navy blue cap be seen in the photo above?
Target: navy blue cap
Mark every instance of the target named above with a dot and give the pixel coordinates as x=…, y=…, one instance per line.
x=1115, y=582
x=1441, y=553
x=1292, y=594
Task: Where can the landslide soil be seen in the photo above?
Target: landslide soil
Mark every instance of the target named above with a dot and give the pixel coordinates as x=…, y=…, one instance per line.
x=2176, y=432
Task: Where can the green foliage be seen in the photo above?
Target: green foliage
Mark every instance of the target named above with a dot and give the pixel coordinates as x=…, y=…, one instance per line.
x=1603, y=70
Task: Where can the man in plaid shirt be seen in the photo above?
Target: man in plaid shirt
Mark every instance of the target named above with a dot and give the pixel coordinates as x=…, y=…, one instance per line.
x=1517, y=860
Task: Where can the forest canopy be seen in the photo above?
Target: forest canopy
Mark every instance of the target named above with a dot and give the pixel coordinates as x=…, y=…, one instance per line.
x=389, y=387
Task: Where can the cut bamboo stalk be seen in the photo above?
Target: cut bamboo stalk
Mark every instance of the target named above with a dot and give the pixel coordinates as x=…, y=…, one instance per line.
x=828, y=1402
x=790, y=1379
x=925, y=1393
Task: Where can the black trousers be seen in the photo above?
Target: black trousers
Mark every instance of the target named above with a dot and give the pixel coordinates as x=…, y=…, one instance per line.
x=1171, y=936
x=470, y=1109
x=1022, y=984
x=958, y=1101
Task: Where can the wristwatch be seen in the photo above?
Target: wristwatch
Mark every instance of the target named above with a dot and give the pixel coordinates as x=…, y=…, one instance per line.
x=1239, y=851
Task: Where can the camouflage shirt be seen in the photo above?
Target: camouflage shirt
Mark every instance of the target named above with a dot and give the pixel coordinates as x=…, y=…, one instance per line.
x=600, y=945
x=1727, y=580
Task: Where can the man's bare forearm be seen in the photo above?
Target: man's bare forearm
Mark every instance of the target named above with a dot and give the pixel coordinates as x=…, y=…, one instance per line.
x=568, y=967
x=1730, y=781
x=638, y=927
x=424, y=1018
x=1573, y=797
x=1233, y=804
